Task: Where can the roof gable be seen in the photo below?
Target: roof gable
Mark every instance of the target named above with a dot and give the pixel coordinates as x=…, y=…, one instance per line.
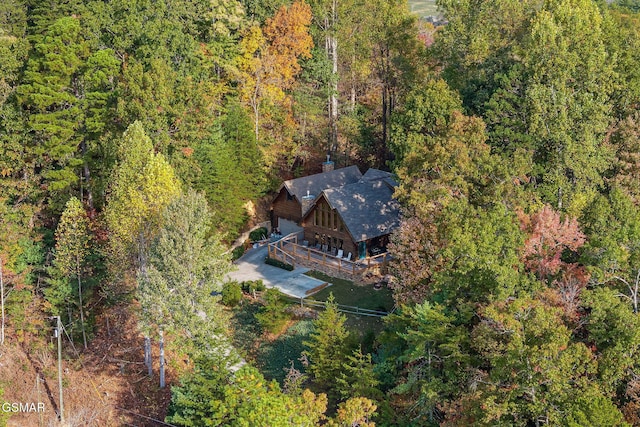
x=367, y=208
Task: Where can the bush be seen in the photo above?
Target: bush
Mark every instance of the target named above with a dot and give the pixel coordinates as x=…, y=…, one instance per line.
x=258, y=234
x=273, y=316
x=231, y=294
x=237, y=253
x=278, y=263
x=251, y=286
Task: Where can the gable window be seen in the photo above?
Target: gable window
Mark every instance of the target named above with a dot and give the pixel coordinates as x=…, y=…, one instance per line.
x=289, y=197
x=325, y=217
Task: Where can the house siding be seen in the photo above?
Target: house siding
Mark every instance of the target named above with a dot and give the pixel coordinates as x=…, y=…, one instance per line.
x=286, y=209
x=311, y=230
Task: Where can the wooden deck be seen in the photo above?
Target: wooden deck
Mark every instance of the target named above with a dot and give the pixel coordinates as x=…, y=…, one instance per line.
x=290, y=251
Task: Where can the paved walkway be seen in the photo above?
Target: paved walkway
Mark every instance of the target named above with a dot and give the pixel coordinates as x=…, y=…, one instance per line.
x=251, y=266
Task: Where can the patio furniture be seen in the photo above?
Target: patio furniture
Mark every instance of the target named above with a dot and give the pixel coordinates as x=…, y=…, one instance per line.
x=340, y=253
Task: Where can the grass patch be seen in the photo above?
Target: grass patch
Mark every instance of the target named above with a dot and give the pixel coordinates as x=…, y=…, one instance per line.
x=423, y=7
x=346, y=293
x=270, y=357
x=276, y=356
x=246, y=332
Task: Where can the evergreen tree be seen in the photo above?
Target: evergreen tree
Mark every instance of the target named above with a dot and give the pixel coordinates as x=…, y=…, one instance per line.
x=327, y=345
x=186, y=265
x=245, y=398
x=358, y=378
x=51, y=92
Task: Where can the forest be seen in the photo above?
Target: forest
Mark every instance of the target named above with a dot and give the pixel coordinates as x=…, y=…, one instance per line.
x=140, y=138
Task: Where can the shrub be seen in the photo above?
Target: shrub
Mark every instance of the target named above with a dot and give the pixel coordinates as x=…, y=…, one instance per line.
x=231, y=294
x=258, y=234
x=237, y=253
x=278, y=263
x=251, y=286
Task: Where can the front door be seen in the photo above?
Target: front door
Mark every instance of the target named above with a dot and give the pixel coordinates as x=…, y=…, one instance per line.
x=362, y=250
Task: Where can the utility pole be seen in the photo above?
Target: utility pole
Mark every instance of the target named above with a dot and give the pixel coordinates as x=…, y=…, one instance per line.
x=59, y=336
x=161, y=358
x=40, y=420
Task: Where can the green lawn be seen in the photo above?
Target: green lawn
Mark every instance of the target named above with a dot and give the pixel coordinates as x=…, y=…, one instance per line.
x=346, y=293
x=276, y=356
x=423, y=7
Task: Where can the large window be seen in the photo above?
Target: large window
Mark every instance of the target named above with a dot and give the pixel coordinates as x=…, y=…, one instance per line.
x=325, y=217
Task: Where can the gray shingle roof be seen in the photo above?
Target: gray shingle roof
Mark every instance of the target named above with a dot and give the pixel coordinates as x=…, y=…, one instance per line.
x=367, y=208
x=314, y=184
x=377, y=174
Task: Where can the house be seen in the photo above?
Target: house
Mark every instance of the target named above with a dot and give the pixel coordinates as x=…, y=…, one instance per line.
x=296, y=196
x=341, y=210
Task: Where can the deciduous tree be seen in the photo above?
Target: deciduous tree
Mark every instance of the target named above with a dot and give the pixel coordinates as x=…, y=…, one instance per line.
x=72, y=246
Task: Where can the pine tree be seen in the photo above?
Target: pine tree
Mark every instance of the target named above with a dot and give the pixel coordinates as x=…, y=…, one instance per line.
x=186, y=266
x=327, y=346
x=358, y=378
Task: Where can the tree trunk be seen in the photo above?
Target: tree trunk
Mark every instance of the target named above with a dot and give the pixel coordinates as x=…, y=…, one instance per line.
x=84, y=335
x=332, y=44
x=162, y=384
x=147, y=355
x=87, y=174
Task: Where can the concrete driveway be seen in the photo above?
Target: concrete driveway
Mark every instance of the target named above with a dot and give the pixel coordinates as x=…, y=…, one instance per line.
x=251, y=266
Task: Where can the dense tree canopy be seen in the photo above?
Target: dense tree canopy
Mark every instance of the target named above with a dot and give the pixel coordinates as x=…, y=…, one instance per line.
x=140, y=138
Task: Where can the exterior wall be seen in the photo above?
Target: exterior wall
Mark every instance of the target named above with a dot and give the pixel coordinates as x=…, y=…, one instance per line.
x=285, y=208
x=311, y=230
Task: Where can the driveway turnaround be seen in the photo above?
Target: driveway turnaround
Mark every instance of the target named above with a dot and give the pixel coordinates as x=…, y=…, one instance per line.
x=294, y=283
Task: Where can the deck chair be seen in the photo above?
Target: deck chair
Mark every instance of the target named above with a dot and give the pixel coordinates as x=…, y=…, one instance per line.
x=325, y=248
x=340, y=253
x=305, y=243
x=348, y=258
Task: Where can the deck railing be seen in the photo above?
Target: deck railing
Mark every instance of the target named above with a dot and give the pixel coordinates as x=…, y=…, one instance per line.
x=288, y=248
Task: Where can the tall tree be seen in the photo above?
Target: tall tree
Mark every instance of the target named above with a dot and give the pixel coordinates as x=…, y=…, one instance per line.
x=434, y=361
x=231, y=170
x=72, y=241
x=51, y=92
x=186, y=266
x=327, y=346
x=268, y=66
x=143, y=185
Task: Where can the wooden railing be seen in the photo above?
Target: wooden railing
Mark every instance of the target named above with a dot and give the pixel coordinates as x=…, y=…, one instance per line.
x=278, y=253
x=301, y=253
x=342, y=308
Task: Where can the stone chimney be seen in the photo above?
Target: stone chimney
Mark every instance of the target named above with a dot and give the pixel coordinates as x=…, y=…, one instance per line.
x=306, y=202
x=328, y=166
